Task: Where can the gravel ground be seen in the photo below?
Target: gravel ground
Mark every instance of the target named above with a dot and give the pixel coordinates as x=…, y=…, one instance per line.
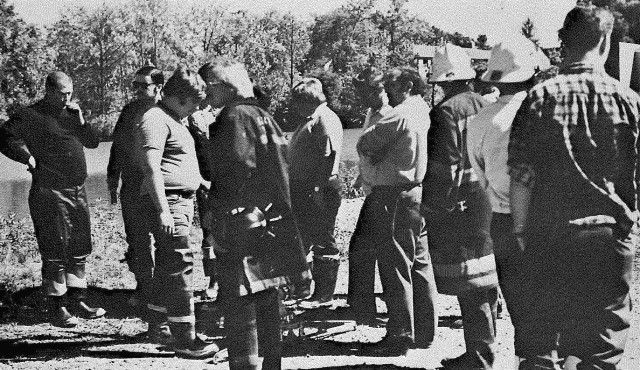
x=110, y=343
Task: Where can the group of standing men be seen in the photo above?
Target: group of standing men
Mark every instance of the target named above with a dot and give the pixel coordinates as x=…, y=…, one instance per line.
x=536, y=192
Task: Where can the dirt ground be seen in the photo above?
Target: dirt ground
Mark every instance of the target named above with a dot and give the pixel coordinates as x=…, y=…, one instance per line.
x=111, y=342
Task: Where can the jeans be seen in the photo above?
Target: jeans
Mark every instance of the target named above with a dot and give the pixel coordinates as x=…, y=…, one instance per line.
x=406, y=272
x=63, y=231
x=139, y=255
x=362, y=263
x=509, y=264
x=578, y=282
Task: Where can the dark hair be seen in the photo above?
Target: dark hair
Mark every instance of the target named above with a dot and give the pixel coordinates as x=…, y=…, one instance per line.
x=156, y=75
x=409, y=74
x=363, y=80
x=184, y=83
x=584, y=26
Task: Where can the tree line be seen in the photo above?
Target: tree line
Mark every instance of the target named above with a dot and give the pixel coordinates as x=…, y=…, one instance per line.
x=102, y=48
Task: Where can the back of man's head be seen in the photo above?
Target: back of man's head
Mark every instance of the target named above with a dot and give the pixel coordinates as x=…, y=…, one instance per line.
x=54, y=79
x=308, y=91
x=156, y=75
x=184, y=83
x=584, y=27
x=230, y=72
x=409, y=74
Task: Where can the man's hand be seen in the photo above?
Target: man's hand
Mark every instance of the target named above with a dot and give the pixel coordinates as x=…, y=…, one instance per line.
x=31, y=164
x=166, y=223
x=74, y=108
x=112, y=185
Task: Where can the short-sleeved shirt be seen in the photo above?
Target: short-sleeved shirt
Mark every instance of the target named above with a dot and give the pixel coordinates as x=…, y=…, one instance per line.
x=488, y=142
x=312, y=142
x=161, y=130
x=571, y=133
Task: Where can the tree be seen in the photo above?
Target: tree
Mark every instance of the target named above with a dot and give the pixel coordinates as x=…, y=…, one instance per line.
x=24, y=60
x=528, y=29
x=481, y=42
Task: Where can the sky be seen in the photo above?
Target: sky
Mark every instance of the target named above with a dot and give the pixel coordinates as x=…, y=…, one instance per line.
x=495, y=18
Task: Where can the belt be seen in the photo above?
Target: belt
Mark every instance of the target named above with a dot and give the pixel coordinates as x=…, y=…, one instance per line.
x=182, y=193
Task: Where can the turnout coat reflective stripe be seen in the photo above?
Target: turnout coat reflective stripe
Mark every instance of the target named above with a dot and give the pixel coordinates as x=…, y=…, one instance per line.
x=249, y=169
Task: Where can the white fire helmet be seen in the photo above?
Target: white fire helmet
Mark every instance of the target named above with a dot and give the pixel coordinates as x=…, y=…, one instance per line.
x=515, y=59
x=451, y=63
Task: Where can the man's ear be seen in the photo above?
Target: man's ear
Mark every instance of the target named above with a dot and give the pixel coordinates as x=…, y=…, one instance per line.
x=408, y=86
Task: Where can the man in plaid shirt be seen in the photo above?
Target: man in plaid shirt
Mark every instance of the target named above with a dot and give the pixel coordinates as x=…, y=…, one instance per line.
x=573, y=156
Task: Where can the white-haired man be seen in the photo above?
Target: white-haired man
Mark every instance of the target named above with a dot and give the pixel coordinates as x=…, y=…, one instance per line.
x=258, y=246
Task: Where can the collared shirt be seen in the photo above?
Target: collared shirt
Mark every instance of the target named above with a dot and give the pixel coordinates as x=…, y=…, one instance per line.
x=159, y=129
x=488, y=142
x=574, y=133
x=367, y=169
x=55, y=138
x=397, y=144
x=314, y=141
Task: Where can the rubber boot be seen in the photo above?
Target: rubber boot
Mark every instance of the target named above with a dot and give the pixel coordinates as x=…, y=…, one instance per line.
x=58, y=314
x=187, y=345
x=78, y=297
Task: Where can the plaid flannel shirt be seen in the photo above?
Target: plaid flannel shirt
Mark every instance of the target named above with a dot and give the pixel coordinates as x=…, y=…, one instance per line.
x=579, y=121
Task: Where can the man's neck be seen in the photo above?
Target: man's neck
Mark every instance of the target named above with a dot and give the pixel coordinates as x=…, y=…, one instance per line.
x=591, y=57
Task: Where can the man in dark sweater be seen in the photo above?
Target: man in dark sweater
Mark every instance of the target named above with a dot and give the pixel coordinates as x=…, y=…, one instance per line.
x=124, y=163
x=48, y=137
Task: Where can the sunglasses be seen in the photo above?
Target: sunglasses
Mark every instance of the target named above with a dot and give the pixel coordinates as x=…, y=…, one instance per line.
x=138, y=85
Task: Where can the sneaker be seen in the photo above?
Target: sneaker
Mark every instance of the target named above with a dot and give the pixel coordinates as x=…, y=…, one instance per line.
x=464, y=362
x=197, y=349
x=389, y=346
x=63, y=319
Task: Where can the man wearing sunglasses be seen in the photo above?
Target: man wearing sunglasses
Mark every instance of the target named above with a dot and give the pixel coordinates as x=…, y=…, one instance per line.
x=124, y=164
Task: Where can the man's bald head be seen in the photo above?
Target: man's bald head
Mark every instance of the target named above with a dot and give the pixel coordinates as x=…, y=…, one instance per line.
x=58, y=89
x=57, y=78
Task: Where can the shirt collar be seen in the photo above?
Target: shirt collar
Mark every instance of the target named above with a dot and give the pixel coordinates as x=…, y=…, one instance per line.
x=170, y=112
x=582, y=67
x=316, y=112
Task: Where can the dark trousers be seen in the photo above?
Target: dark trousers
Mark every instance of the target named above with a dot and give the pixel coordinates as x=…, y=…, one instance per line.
x=479, y=313
x=406, y=271
x=362, y=263
x=172, y=278
x=509, y=264
x=578, y=282
x=139, y=255
x=317, y=223
x=253, y=329
x=63, y=231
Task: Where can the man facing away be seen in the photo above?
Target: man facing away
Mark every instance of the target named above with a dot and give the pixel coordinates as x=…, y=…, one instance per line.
x=511, y=68
x=314, y=160
x=171, y=178
x=573, y=159
x=124, y=164
x=49, y=136
x=397, y=147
